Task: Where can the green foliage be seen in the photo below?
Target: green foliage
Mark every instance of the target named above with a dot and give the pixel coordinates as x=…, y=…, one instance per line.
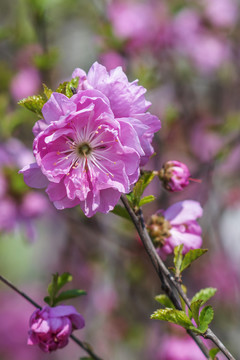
x=195, y=306
x=47, y=92
x=204, y=295
x=67, y=88
x=146, y=200
x=178, y=258
x=205, y=318
x=33, y=103
x=212, y=353
x=174, y=316
x=165, y=301
x=121, y=211
x=135, y=196
x=191, y=256
x=58, y=281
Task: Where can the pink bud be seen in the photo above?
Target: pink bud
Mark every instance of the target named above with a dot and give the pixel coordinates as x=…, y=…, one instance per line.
x=51, y=327
x=174, y=175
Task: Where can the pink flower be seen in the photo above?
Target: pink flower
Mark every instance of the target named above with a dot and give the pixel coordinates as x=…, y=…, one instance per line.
x=174, y=175
x=88, y=148
x=222, y=12
x=112, y=59
x=175, y=226
x=176, y=348
x=25, y=83
x=51, y=327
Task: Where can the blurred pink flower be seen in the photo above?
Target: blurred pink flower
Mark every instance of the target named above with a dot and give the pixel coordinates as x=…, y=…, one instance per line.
x=112, y=59
x=174, y=175
x=222, y=12
x=179, y=348
x=51, y=327
x=25, y=83
x=175, y=226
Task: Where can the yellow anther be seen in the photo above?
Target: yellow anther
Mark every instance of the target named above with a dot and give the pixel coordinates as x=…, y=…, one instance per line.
x=55, y=164
x=58, y=152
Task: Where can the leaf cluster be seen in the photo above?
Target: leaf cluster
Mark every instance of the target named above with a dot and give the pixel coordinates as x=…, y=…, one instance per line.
x=58, y=281
x=35, y=103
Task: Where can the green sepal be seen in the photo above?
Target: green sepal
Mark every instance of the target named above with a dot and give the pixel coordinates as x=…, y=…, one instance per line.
x=205, y=318
x=204, y=295
x=195, y=306
x=174, y=316
x=146, y=200
x=67, y=87
x=178, y=258
x=47, y=92
x=121, y=211
x=165, y=301
x=69, y=294
x=33, y=103
x=191, y=256
x=212, y=353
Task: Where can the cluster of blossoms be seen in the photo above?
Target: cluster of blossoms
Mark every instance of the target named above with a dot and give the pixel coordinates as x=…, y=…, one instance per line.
x=175, y=226
x=51, y=327
x=18, y=205
x=88, y=148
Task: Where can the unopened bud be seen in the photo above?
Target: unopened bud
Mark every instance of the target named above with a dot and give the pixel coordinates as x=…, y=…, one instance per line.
x=174, y=175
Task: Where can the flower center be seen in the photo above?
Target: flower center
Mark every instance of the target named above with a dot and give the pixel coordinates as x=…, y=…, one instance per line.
x=84, y=149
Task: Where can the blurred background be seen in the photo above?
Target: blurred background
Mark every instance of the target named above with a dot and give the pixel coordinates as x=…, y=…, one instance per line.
x=187, y=54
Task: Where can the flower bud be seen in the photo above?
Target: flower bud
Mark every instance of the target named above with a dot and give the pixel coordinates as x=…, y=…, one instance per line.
x=174, y=175
x=158, y=229
x=51, y=327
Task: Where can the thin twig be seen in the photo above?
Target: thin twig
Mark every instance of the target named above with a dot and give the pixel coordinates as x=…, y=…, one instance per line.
x=162, y=271
x=83, y=345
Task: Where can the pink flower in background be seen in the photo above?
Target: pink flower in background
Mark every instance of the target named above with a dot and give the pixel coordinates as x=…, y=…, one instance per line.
x=175, y=226
x=179, y=348
x=222, y=12
x=112, y=59
x=51, y=327
x=174, y=175
x=88, y=148
x=25, y=83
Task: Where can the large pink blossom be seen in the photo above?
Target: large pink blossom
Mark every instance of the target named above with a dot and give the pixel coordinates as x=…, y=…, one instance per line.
x=89, y=147
x=51, y=327
x=177, y=225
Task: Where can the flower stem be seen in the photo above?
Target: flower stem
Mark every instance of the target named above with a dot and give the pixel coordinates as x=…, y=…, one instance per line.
x=83, y=345
x=169, y=284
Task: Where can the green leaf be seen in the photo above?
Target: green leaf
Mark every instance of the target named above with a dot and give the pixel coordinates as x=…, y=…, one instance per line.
x=195, y=306
x=47, y=92
x=174, y=316
x=165, y=301
x=213, y=352
x=178, y=258
x=62, y=88
x=69, y=294
x=58, y=281
x=204, y=295
x=47, y=300
x=68, y=88
x=121, y=211
x=205, y=318
x=135, y=196
x=33, y=103
x=191, y=256
x=146, y=200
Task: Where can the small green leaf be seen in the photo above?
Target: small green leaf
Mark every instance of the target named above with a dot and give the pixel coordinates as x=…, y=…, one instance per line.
x=212, y=353
x=178, y=258
x=121, y=211
x=174, y=316
x=195, y=306
x=69, y=294
x=62, y=88
x=204, y=295
x=63, y=279
x=47, y=300
x=47, y=92
x=58, y=281
x=33, y=103
x=165, y=301
x=135, y=196
x=72, y=87
x=205, y=318
x=146, y=200
x=191, y=256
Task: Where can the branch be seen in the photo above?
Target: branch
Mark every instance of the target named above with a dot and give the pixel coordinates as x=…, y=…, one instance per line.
x=83, y=345
x=164, y=274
